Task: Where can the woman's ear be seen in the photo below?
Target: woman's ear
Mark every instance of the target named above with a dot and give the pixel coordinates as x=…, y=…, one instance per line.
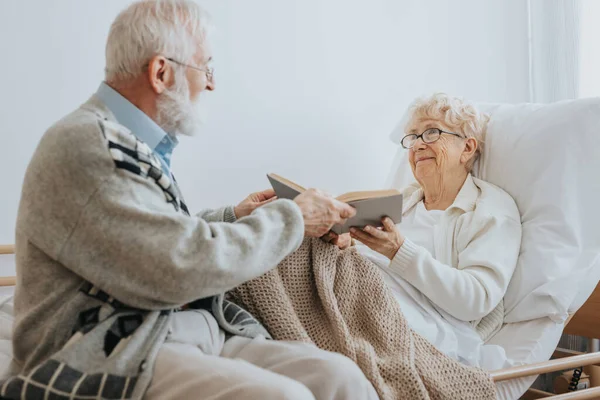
x=160, y=74
x=469, y=150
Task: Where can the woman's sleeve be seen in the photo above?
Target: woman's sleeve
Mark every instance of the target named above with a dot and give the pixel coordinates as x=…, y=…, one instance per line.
x=485, y=266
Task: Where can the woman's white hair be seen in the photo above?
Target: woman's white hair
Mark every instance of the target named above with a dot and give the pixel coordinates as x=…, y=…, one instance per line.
x=173, y=28
x=456, y=113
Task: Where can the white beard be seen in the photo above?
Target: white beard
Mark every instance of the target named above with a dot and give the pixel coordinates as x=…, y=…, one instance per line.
x=176, y=113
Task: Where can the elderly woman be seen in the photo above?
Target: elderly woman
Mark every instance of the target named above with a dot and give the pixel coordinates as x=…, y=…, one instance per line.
x=450, y=260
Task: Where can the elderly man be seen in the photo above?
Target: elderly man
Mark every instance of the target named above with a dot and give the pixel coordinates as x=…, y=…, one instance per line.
x=120, y=289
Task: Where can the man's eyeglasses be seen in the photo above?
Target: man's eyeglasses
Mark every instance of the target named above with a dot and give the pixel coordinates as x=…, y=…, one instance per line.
x=209, y=71
x=429, y=136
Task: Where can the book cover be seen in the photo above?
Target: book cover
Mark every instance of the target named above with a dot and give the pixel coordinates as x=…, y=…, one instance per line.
x=371, y=206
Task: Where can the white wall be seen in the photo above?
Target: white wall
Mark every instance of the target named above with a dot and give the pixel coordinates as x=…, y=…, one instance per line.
x=309, y=89
x=589, y=78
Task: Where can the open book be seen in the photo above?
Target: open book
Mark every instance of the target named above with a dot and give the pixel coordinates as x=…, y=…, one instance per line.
x=370, y=206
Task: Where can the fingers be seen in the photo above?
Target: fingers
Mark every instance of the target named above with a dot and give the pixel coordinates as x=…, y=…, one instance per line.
x=361, y=235
x=337, y=239
x=265, y=195
x=343, y=241
x=375, y=232
x=329, y=237
x=339, y=212
x=346, y=211
x=321, y=212
x=388, y=224
x=272, y=199
x=318, y=192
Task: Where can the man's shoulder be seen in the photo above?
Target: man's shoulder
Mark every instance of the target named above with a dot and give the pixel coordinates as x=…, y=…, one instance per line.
x=88, y=136
x=70, y=163
x=72, y=143
x=89, y=144
x=85, y=125
x=80, y=151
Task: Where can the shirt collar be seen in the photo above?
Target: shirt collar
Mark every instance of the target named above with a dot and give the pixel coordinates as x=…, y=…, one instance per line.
x=465, y=199
x=140, y=124
x=467, y=196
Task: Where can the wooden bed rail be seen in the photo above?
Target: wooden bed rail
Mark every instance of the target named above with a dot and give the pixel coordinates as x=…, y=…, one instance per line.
x=7, y=280
x=546, y=366
x=591, y=393
x=7, y=249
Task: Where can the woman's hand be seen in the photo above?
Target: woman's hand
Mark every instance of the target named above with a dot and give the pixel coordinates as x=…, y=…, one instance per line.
x=342, y=241
x=386, y=240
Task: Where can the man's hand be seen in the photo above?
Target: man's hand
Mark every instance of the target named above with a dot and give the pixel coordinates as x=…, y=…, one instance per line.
x=342, y=241
x=386, y=240
x=254, y=201
x=321, y=212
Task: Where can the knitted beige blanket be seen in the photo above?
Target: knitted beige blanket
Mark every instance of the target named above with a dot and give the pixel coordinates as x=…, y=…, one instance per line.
x=339, y=301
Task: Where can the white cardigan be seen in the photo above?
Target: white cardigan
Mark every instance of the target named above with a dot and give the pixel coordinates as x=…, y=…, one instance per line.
x=477, y=242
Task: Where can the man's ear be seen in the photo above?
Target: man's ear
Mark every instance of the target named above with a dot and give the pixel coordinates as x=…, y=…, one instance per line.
x=160, y=74
x=469, y=150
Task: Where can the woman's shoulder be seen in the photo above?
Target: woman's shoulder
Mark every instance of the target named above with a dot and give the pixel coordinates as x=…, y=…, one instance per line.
x=410, y=189
x=411, y=195
x=495, y=201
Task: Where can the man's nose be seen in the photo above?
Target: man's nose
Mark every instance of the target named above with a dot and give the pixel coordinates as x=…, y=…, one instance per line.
x=210, y=85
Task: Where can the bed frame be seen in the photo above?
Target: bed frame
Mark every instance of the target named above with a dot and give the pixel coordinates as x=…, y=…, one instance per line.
x=7, y=280
x=585, y=322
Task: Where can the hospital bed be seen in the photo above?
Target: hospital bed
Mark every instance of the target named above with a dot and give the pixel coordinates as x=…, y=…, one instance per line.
x=548, y=158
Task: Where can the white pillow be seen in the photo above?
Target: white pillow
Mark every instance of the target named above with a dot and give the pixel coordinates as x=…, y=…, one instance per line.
x=548, y=158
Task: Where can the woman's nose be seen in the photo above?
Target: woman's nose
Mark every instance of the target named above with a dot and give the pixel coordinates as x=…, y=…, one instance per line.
x=419, y=144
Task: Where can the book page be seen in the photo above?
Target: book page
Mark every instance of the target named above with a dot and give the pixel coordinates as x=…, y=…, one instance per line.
x=287, y=182
x=370, y=194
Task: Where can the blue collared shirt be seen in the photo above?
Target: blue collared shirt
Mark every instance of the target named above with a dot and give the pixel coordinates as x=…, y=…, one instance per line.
x=140, y=124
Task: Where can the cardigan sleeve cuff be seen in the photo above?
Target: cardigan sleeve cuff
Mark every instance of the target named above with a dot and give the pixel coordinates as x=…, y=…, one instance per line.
x=405, y=257
x=229, y=214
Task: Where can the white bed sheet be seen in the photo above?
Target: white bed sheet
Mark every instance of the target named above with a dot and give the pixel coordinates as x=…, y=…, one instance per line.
x=525, y=343
x=515, y=344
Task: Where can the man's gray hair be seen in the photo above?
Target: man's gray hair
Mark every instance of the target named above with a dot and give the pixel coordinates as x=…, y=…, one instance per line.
x=173, y=28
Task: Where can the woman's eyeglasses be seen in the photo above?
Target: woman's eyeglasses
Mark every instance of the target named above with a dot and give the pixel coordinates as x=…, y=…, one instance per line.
x=431, y=135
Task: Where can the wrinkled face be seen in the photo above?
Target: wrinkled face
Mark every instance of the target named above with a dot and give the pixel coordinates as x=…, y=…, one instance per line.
x=180, y=107
x=445, y=156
